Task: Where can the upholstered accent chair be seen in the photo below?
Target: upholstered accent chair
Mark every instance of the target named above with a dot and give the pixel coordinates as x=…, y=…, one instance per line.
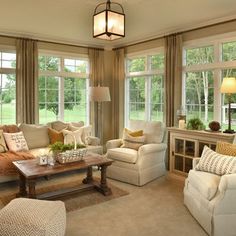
x=140, y=166
x=211, y=199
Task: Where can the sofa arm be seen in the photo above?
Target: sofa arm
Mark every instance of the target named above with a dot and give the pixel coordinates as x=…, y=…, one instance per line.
x=195, y=162
x=226, y=199
x=94, y=141
x=114, y=143
x=152, y=147
x=227, y=182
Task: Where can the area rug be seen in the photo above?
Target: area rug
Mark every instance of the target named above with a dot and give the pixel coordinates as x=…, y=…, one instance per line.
x=72, y=202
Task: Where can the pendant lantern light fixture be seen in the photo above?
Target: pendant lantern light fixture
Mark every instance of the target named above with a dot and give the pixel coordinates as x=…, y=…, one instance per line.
x=109, y=21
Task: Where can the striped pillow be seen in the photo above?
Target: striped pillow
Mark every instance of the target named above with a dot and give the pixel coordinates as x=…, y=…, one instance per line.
x=216, y=163
x=132, y=142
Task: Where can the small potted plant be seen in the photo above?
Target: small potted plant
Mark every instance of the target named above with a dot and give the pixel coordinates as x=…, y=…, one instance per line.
x=195, y=124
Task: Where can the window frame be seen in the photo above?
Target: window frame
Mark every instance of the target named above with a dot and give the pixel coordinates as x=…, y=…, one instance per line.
x=216, y=67
x=6, y=71
x=147, y=73
x=61, y=74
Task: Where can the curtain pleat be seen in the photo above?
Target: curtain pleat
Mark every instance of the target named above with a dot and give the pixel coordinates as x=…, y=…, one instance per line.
x=173, y=77
x=96, y=77
x=117, y=93
x=26, y=81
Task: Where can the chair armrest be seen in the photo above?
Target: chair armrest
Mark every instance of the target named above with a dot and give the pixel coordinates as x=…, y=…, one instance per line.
x=226, y=198
x=94, y=141
x=114, y=143
x=195, y=162
x=227, y=182
x=152, y=147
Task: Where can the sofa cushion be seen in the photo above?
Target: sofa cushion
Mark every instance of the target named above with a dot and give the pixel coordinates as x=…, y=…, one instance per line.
x=3, y=146
x=153, y=130
x=58, y=125
x=226, y=148
x=36, y=135
x=216, y=163
x=77, y=124
x=55, y=136
x=39, y=151
x=123, y=154
x=16, y=141
x=10, y=128
x=205, y=183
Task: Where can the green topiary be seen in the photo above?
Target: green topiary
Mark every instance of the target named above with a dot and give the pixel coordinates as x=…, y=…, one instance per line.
x=195, y=124
x=60, y=147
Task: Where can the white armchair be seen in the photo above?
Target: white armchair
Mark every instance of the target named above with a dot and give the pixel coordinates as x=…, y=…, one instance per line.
x=211, y=199
x=140, y=166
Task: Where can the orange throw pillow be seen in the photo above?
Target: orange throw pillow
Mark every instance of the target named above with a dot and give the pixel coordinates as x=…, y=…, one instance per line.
x=55, y=136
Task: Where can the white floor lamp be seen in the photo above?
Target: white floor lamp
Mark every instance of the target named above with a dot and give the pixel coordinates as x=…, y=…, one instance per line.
x=99, y=94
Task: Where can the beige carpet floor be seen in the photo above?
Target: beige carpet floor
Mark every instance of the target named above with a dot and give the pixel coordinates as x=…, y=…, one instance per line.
x=155, y=209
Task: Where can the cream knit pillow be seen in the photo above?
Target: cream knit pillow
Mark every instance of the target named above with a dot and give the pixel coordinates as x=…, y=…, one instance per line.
x=132, y=142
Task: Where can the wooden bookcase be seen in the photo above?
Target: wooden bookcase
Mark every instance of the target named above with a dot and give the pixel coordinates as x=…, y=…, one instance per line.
x=184, y=145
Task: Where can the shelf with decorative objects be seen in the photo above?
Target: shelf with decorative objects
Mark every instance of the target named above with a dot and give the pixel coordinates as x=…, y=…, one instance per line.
x=186, y=144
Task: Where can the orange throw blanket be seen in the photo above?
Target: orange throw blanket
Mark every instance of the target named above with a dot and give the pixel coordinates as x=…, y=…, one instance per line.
x=6, y=159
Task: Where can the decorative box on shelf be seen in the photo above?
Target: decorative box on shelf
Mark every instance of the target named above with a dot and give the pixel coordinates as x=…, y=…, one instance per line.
x=185, y=144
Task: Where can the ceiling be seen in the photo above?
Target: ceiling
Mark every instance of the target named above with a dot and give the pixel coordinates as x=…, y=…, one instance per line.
x=70, y=21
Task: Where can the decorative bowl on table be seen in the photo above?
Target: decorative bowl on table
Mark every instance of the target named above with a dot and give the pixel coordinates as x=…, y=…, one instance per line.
x=71, y=155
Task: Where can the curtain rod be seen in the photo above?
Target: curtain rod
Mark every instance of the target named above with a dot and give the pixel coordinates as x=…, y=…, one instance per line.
x=180, y=32
x=53, y=42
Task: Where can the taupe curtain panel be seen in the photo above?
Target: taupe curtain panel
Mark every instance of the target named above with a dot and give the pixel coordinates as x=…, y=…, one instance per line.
x=173, y=77
x=26, y=81
x=117, y=93
x=96, y=68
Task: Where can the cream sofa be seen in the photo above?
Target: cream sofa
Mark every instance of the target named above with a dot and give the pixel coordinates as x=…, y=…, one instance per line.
x=37, y=140
x=141, y=166
x=211, y=199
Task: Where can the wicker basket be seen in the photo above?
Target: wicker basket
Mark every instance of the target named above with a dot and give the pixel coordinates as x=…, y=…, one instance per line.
x=71, y=155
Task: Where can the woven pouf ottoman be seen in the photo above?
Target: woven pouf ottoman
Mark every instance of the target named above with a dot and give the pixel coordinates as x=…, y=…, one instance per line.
x=31, y=217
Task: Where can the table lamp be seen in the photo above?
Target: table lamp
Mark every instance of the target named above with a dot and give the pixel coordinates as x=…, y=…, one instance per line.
x=228, y=86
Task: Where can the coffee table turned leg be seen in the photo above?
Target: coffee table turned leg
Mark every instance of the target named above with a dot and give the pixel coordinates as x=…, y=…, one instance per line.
x=32, y=192
x=89, y=177
x=22, y=186
x=104, y=189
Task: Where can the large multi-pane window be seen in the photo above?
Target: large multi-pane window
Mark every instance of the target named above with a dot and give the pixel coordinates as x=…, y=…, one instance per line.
x=7, y=86
x=63, y=88
x=205, y=66
x=145, y=86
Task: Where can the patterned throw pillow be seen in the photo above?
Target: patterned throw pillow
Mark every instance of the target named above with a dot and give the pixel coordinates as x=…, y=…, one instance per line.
x=86, y=132
x=132, y=142
x=3, y=147
x=55, y=136
x=16, y=141
x=226, y=148
x=216, y=163
x=70, y=137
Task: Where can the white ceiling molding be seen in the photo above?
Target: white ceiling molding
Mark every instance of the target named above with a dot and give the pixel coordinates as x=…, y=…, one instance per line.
x=70, y=21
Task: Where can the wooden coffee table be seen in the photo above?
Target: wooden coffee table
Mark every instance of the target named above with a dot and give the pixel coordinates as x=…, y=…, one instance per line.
x=29, y=172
